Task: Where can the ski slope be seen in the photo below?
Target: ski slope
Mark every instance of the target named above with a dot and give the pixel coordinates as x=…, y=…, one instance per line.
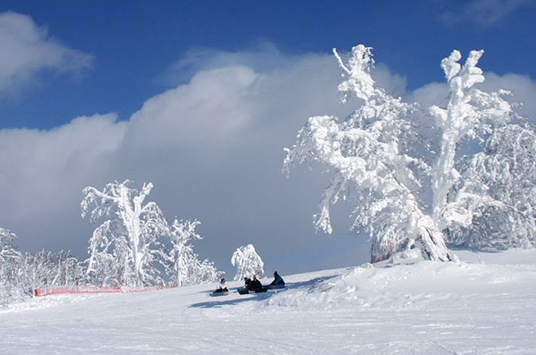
x=485, y=304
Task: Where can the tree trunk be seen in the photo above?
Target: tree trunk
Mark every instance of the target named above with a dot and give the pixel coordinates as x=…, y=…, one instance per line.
x=433, y=246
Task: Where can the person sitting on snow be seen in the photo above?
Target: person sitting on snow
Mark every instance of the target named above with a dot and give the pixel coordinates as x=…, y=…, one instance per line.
x=245, y=289
x=247, y=281
x=254, y=285
x=278, y=280
x=222, y=287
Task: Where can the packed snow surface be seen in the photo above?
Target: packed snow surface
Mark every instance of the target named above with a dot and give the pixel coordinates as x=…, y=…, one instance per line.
x=485, y=304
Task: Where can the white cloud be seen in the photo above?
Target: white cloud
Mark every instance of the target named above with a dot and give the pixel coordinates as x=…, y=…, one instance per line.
x=429, y=94
x=486, y=13
x=42, y=174
x=213, y=148
x=393, y=83
x=262, y=57
x=26, y=50
x=523, y=89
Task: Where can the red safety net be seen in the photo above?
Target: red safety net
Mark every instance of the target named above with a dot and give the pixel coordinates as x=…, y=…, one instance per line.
x=59, y=290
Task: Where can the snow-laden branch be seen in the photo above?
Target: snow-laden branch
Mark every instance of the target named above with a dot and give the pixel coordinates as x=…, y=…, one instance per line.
x=468, y=112
x=359, y=81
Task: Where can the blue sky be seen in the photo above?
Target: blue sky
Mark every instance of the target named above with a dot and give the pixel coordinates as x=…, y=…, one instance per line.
x=133, y=42
x=200, y=97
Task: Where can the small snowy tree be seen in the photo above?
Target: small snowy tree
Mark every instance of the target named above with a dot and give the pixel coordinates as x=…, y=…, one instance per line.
x=127, y=241
x=184, y=266
x=391, y=163
x=67, y=269
x=247, y=262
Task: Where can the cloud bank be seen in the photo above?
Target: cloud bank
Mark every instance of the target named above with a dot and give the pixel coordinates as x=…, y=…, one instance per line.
x=213, y=147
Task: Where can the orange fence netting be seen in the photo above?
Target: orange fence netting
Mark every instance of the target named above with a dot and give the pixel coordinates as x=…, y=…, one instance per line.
x=58, y=290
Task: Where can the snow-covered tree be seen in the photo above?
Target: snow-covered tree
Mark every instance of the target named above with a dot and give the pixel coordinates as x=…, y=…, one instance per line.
x=247, y=262
x=392, y=163
x=68, y=270
x=127, y=242
x=183, y=264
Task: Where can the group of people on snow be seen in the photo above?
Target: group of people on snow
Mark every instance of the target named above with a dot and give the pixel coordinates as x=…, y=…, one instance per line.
x=253, y=284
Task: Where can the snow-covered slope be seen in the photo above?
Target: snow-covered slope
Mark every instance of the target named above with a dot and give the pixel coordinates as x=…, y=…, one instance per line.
x=485, y=304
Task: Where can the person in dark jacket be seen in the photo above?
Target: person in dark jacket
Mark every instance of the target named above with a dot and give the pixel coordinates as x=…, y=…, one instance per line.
x=278, y=280
x=255, y=285
x=245, y=290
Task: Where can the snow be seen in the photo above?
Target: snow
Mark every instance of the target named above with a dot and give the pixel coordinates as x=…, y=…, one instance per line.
x=485, y=304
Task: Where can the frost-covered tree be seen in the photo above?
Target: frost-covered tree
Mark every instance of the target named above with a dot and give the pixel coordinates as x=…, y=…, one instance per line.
x=68, y=270
x=183, y=264
x=389, y=159
x=127, y=242
x=247, y=262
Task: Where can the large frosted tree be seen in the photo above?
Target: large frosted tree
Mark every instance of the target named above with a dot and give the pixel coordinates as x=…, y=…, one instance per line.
x=396, y=162
x=127, y=241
